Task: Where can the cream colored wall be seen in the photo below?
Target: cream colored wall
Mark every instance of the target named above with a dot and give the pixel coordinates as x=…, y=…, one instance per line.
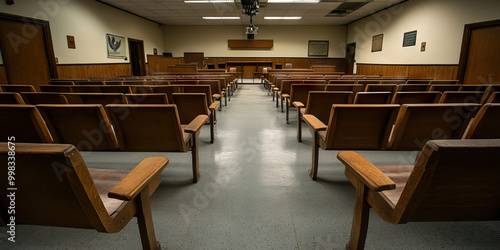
x=88, y=21
x=439, y=23
x=289, y=41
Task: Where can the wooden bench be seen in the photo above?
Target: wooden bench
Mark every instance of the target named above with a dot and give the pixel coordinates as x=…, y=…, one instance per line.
x=58, y=189
x=156, y=128
x=452, y=180
x=351, y=126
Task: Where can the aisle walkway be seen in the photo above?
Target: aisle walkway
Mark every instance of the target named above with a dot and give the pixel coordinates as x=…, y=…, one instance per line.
x=255, y=193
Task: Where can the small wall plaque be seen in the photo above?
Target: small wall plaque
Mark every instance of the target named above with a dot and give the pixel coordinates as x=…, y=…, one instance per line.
x=410, y=38
x=71, y=42
x=377, y=42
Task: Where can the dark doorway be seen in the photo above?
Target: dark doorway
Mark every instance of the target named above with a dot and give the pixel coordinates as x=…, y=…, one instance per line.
x=350, y=54
x=137, y=58
x=480, y=55
x=27, y=51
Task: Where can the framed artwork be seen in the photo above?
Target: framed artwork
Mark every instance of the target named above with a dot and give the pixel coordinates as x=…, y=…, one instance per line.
x=116, y=46
x=318, y=48
x=377, y=42
x=410, y=38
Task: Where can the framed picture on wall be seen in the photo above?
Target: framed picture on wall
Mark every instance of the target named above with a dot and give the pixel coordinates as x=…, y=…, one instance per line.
x=318, y=48
x=116, y=46
x=377, y=42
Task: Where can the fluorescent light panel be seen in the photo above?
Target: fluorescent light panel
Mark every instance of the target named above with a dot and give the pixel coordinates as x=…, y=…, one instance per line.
x=209, y=1
x=221, y=17
x=293, y=1
x=283, y=17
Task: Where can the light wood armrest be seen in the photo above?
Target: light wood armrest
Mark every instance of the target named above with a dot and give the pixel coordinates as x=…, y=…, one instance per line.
x=314, y=122
x=213, y=106
x=365, y=171
x=138, y=179
x=196, y=124
x=298, y=105
x=276, y=89
x=285, y=95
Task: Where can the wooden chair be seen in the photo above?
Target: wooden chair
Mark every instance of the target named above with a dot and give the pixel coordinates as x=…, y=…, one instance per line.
x=217, y=92
x=474, y=87
x=393, y=81
x=84, y=125
x=17, y=88
x=96, y=98
x=342, y=81
x=35, y=98
x=418, y=123
x=418, y=81
x=383, y=97
x=190, y=105
x=444, y=82
x=381, y=88
x=283, y=92
x=412, y=87
x=55, y=179
x=354, y=88
x=352, y=126
x=90, y=82
x=452, y=180
x=86, y=89
x=23, y=122
x=116, y=89
x=416, y=97
x=494, y=98
x=300, y=93
x=461, y=97
x=157, y=98
x=204, y=89
x=486, y=124
x=11, y=98
x=55, y=88
x=444, y=87
x=59, y=82
x=157, y=128
x=319, y=104
x=489, y=91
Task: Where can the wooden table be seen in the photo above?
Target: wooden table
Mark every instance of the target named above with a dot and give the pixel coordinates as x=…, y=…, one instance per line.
x=249, y=67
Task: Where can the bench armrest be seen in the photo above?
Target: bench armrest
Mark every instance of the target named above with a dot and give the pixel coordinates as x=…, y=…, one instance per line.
x=138, y=179
x=314, y=122
x=298, y=105
x=213, y=106
x=196, y=124
x=365, y=171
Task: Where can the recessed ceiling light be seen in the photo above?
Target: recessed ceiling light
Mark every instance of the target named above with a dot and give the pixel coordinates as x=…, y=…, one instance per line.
x=283, y=17
x=221, y=17
x=293, y=1
x=209, y=1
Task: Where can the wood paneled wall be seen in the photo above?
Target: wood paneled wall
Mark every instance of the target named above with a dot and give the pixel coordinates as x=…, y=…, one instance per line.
x=297, y=62
x=158, y=63
x=93, y=70
x=436, y=72
x=3, y=75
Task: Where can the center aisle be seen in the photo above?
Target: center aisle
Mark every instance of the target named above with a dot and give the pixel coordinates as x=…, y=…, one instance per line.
x=255, y=191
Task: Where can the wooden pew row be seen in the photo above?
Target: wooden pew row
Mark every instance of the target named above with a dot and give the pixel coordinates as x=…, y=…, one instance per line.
x=390, y=126
x=89, y=127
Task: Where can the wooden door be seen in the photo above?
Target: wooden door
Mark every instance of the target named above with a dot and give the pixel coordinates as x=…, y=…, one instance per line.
x=137, y=58
x=480, y=56
x=27, y=50
x=350, y=55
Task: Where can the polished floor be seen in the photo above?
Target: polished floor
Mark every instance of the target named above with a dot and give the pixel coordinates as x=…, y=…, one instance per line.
x=255, y=193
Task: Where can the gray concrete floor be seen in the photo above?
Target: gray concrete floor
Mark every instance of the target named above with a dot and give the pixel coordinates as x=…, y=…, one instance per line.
x=255, y=193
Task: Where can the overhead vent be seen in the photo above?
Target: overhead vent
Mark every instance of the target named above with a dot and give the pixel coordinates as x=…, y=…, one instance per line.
x=346, y=8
